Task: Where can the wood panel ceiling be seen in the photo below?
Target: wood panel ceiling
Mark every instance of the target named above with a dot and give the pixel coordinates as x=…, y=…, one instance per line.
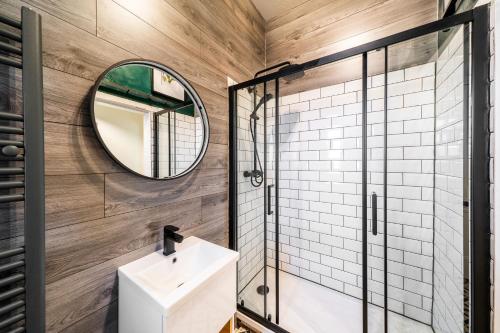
x=310, y=29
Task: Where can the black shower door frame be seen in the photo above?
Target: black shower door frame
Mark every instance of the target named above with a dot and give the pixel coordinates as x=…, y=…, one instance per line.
x=477, y=20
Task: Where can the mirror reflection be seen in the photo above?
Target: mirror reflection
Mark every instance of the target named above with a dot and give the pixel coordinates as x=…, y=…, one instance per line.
x=150, y=120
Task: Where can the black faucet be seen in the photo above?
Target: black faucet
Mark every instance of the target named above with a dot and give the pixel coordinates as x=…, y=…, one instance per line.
x=170, y=237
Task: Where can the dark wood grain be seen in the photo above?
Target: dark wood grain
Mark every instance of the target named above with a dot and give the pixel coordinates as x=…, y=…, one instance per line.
x=77, y=296
x=104, y=320
x=217, y=157
x=163, y=17
x=126, y=30
x=310, y=30
x=71, y=150
x=79, y=13
x=317, y=28
x=125, y=192
x=75, y=51
x=218, y=21
x=218, y=131
x=215, y=214
x=73, y=248
x=66, y=103
x=66, y=206
x=314, y=17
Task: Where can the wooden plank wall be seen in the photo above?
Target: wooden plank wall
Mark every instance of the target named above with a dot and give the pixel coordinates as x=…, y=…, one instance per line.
x=317, y=28
x=99, y=216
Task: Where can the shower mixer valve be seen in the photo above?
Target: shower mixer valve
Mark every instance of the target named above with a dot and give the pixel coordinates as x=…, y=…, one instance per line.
x=253, y=173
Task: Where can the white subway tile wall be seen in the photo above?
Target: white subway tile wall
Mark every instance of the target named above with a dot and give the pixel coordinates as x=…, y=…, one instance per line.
x=187, y=131
x=448, y=243
x=320, y=187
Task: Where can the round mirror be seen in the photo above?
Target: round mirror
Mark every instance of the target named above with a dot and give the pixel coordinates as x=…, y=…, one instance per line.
x=149, y=119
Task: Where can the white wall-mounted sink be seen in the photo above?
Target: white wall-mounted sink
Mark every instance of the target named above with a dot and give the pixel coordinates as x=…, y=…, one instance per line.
x=190, y=291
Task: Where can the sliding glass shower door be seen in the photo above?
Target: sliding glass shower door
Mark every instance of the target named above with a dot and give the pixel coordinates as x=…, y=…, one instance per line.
x=250, y=193
x=256, y=194
x=320, y=198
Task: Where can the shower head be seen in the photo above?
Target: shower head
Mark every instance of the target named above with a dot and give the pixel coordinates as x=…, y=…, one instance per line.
x=294, y=76
x=263, y=100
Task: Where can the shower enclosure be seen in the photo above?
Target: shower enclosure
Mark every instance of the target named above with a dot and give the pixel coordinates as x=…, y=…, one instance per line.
x=359, y=186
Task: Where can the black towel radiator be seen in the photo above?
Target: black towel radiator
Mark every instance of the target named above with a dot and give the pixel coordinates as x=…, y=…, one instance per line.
x=22, y=268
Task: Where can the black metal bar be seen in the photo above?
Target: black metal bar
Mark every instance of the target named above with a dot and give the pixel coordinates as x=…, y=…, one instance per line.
x=480, y=199
x=11, y=306
x=18, y=330
x=267, y=69
x=11, y=184
x=11, y=279
x=276, y=194
x=466, y=178
x=11, y=130
x=11, y=158
x=265, y=194
x=11, y=171
x=365, y=192
x=12, y=320
x=11, y=252
x=233, y=169
x=156, y=150
x=11, y=293
x=11, y=143
x=15, y=36
x=11, y=198
x=374, y=214
x=11, y=116
x=255, y=155
x=10, y=48
x=256, y=317
x=11, y=61
x=269, y=201
x=444, y=23
x=170, y=159
x=10, y=21
x=11, y=265
x=386, y=311
x=451, y=9
x=172, y=142
x=34, y=216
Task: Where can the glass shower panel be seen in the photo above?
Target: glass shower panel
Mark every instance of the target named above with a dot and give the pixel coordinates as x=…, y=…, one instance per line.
x=451, y=223
x=250, y=193
x=320, y=177
x=271, y=186
x=376, y=179
x=410, y=190
x=426, y=235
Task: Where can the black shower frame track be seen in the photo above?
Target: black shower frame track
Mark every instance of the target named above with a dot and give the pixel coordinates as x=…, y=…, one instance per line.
x=480, y=301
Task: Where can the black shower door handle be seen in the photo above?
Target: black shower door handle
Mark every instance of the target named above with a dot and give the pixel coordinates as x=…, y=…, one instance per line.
x=374, y=213
x=269, y=211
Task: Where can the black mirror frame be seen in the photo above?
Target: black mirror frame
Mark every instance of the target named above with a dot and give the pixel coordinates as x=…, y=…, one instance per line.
x=193, y=94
